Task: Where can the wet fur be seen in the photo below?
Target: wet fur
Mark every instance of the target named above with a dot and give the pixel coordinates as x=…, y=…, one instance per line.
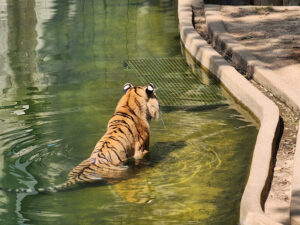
x=127, y=136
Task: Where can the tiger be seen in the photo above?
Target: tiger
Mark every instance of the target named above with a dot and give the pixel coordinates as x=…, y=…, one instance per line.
x=127, y=137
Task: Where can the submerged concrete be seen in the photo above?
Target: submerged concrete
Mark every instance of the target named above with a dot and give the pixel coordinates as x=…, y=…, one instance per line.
x=251, y=210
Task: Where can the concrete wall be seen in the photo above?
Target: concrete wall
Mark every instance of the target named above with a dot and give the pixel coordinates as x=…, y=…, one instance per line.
x=251, y=208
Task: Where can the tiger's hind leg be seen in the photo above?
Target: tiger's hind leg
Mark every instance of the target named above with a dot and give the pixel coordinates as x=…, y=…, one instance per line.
x=81, y=172
x=88, y=171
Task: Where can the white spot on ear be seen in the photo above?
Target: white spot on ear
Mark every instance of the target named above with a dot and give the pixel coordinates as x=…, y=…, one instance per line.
x=150, y=88
x=127, y=86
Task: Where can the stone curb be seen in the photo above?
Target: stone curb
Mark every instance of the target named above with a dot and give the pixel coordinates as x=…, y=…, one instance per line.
x=264, y=76
x=251, y=209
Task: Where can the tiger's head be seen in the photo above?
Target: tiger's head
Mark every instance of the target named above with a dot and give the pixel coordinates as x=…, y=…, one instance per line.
x=141, y=99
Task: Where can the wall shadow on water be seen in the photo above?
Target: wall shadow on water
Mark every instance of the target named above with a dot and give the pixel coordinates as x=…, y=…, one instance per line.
x=21, y=44
x=22, y=41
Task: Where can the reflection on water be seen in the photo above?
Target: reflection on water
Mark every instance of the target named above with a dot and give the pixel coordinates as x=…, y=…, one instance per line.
x=61, y=75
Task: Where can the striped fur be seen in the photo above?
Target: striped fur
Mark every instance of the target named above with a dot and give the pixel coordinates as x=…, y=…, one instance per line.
x=127, y=136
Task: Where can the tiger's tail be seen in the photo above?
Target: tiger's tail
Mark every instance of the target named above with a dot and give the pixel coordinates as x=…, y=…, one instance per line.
x=64, y=186
x=85, y=172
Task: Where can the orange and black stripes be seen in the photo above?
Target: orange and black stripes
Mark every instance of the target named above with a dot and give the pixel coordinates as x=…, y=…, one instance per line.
x=127, y=136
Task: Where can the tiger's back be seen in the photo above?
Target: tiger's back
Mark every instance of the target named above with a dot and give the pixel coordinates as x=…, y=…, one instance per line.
x=127, y=137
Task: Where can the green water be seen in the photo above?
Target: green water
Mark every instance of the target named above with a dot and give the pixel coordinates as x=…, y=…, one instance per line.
x=61, y=75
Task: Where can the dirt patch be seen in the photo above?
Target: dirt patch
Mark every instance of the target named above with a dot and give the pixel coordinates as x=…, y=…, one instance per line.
x=276, y=45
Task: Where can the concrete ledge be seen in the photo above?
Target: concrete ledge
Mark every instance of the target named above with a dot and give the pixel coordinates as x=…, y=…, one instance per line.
x=251, y=210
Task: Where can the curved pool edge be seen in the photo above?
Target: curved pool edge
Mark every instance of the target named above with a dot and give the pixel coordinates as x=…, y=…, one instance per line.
x=251, y=206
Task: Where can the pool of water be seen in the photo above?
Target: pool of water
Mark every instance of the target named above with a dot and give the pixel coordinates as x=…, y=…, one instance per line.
x=61, y=74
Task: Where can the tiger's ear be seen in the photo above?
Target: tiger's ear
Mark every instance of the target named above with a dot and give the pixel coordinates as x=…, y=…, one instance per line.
x=127, y=86
x=150, y=89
